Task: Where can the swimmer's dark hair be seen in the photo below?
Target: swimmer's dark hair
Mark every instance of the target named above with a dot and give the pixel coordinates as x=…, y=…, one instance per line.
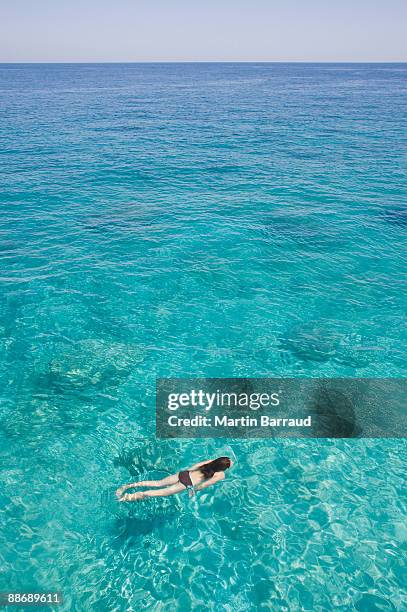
x=217, y=465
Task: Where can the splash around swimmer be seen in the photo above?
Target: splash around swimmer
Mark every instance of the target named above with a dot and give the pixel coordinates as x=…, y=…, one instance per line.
x=197, y=477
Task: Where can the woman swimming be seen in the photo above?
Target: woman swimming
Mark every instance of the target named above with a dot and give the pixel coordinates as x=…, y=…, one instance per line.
x=199, y=476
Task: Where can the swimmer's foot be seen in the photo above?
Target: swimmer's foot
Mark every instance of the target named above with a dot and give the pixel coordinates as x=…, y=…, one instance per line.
x=120, y=491
x=132, y=497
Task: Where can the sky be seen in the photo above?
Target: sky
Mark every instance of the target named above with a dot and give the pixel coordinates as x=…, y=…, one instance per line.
x=205, y=30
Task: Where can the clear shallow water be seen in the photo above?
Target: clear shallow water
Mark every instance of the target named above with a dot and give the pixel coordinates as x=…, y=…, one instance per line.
x=213, y=220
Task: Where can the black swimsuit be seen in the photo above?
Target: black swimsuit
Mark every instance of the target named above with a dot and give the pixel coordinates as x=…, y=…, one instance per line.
x=185, y=479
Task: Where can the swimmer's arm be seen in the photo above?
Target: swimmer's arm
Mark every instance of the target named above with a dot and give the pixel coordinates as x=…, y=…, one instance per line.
x=211, y=481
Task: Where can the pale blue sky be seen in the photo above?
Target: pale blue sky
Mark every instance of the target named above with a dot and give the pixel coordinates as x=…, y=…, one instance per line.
x=209, y=30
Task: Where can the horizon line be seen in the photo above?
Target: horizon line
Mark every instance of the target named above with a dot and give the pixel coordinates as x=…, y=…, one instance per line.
x=203, y=61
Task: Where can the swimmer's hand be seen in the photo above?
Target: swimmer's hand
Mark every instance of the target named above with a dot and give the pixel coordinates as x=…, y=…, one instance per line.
x=191, y=492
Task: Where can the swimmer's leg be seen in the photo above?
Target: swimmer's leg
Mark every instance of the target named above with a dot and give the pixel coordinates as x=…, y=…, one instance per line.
x=169, y=480
x=171, y=490
x=164, y=482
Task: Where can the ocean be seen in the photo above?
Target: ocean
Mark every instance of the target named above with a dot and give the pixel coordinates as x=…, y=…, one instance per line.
x=223, y=220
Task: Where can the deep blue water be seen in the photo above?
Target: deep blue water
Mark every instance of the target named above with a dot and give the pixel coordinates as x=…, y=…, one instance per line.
x=212, y=220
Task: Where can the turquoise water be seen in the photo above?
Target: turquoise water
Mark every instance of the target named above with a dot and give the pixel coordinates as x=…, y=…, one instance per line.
x=185, y=220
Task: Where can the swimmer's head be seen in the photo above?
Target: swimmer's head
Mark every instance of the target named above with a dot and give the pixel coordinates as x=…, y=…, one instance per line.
x=224, y=463
x=217, y=465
